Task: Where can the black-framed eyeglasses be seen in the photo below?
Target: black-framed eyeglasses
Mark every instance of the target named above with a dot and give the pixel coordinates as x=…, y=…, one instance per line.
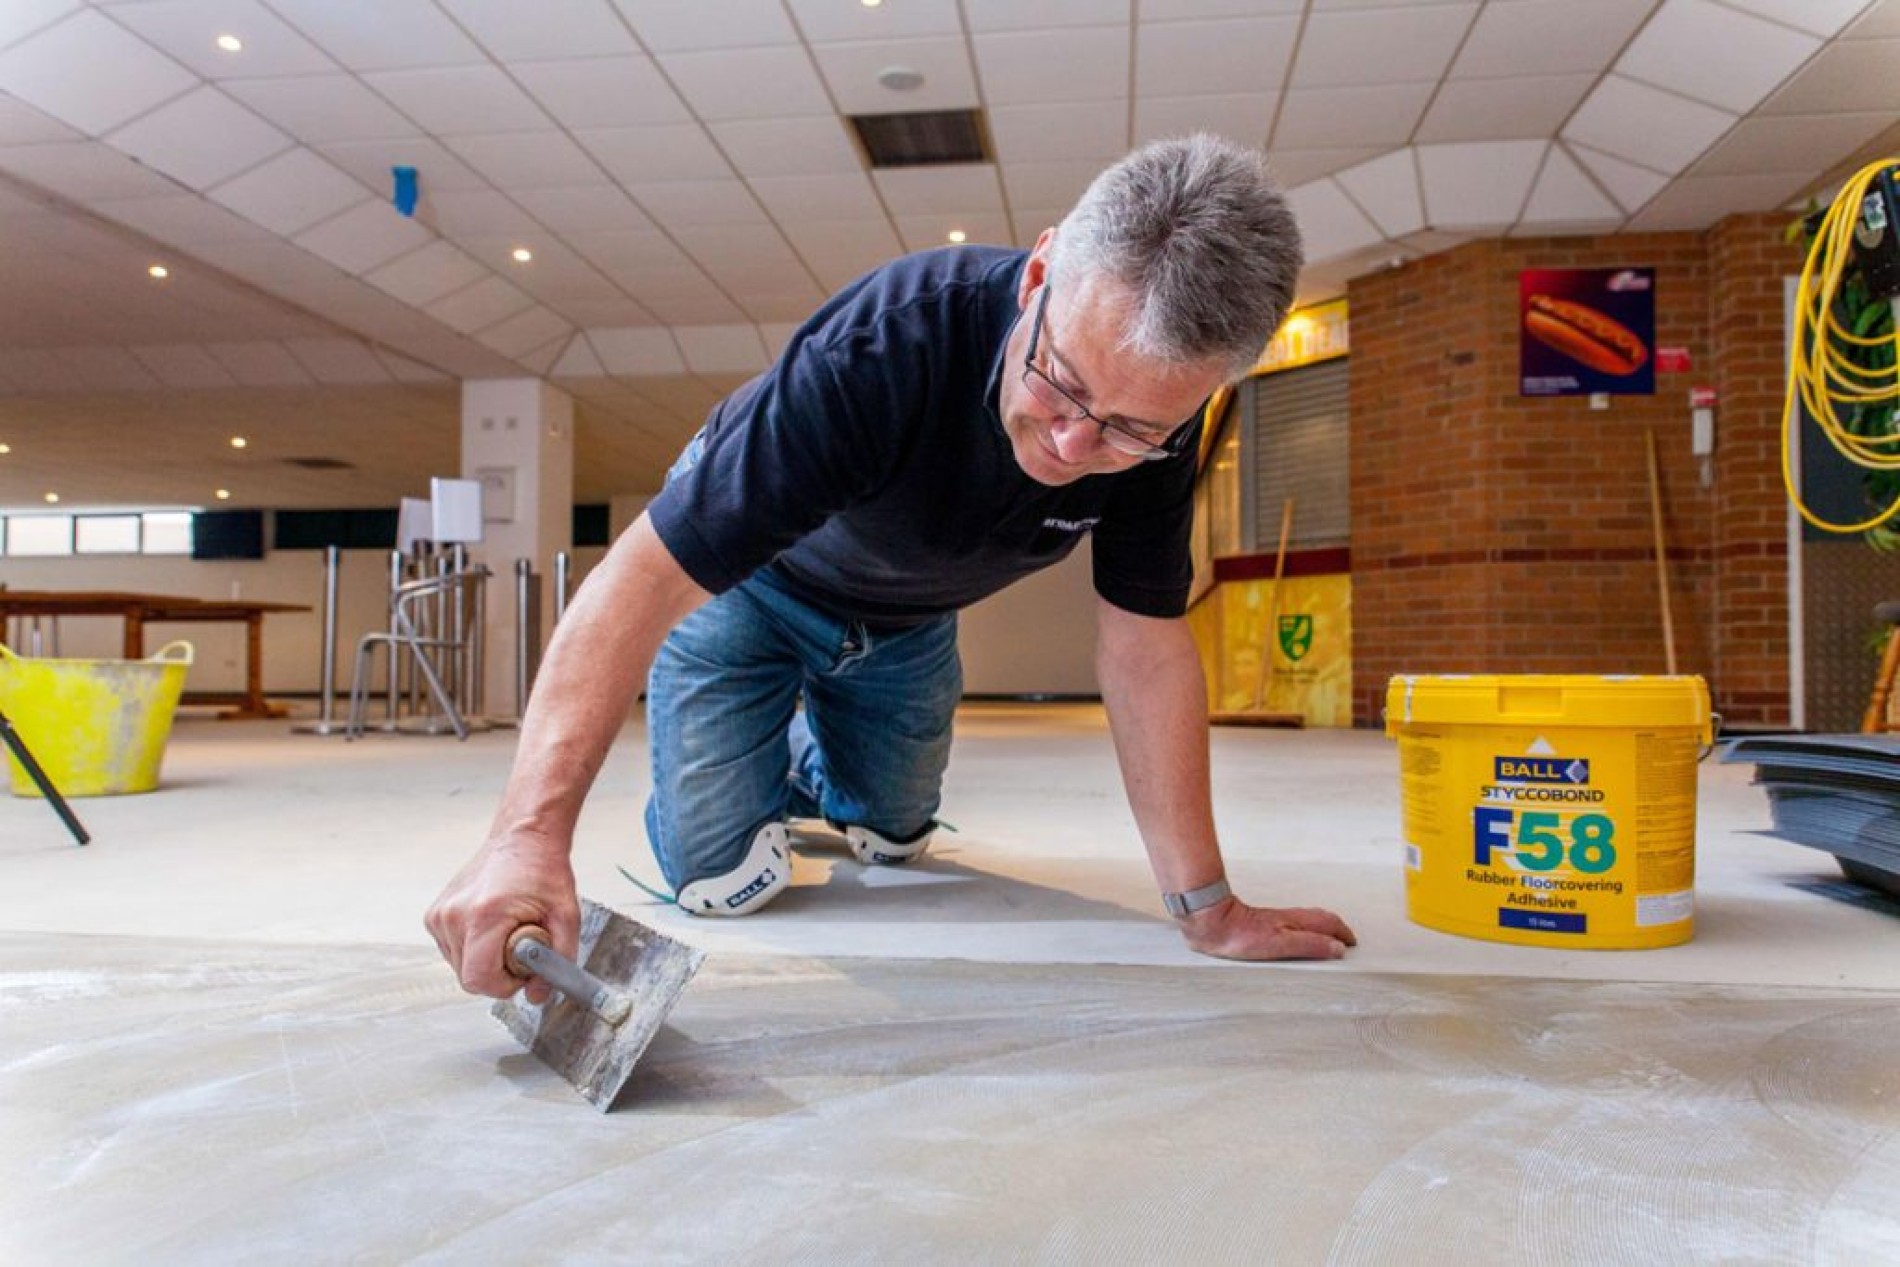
x=1146, y=440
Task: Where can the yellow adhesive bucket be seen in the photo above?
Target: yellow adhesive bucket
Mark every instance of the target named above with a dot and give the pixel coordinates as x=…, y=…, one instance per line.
x=97, y=727
x=1551, y=810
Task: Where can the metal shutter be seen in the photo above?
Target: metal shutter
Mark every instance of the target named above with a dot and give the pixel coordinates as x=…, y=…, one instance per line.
x=1298, y=445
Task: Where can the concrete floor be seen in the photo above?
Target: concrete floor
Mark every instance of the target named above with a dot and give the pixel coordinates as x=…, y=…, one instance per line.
x=224, y=1038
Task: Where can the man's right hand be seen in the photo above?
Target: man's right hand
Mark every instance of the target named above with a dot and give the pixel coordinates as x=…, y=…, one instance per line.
x=516, y=879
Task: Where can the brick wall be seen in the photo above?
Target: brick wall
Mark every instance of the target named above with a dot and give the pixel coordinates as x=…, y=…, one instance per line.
x=1503, y=534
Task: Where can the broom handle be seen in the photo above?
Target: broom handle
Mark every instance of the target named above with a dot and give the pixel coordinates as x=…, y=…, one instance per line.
x=1662, y=561
x=1273, y=609
x=531, y=954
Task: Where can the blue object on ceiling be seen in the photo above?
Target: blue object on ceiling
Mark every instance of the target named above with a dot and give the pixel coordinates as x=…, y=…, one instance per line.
x=405, y=195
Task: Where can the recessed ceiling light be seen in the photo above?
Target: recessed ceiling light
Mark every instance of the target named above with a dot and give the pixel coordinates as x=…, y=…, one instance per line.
x=959, y=237
x=522, y=254
x=5, y=449
x=871, y=4
x=223, y=494
x=238, y=442
x=901, y=78
x=52, y=499
x=230, y=43
x=159, y=272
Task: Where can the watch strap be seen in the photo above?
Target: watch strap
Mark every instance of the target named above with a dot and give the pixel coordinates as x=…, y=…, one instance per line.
x=1182, y=905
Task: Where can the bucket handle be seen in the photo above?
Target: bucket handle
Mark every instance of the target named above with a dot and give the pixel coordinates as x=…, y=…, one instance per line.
x=179, y=652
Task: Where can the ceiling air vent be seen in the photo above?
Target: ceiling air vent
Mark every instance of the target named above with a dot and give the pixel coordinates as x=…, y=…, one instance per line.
x=928, y=138
x=321, y=464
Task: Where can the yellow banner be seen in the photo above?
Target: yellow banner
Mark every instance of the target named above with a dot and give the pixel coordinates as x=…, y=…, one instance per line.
x=1302, y=664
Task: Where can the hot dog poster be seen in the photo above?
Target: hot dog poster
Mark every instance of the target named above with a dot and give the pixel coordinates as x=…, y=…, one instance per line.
x=1586, y=330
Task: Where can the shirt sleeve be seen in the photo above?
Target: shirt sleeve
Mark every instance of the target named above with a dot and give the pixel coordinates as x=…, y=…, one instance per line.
x=1143, y=560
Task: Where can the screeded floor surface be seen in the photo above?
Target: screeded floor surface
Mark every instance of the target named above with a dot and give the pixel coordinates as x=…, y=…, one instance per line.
x=225, y=1039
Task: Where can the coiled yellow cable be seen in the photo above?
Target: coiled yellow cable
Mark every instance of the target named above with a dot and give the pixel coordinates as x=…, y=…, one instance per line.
x=1819, y=374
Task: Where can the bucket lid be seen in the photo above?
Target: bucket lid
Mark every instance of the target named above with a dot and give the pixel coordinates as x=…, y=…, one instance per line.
x=1548, y=700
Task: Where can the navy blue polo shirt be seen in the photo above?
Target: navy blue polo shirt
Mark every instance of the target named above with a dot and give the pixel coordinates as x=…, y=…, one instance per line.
x=869, y=469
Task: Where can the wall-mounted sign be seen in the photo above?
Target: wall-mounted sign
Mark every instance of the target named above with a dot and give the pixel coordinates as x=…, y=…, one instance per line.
x=1584, y=331
x=1308, y=336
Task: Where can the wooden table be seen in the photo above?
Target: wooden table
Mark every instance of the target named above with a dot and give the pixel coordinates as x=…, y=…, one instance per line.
x=140, y=610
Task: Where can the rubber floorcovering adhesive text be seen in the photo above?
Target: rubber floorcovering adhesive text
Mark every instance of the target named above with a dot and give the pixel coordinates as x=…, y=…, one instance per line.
x=1551, y=810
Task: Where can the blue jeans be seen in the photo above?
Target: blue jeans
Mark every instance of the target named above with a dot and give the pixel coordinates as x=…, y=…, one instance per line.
x=732, y=753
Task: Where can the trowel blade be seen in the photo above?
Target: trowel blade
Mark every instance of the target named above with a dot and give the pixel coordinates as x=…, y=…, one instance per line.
x=597, y=1058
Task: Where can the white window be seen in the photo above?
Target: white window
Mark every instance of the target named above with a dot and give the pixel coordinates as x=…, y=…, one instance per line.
x=39, y=535
x=168, y=532
x=105, y=534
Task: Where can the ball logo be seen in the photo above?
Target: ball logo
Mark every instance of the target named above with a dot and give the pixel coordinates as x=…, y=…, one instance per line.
x=1541, y=770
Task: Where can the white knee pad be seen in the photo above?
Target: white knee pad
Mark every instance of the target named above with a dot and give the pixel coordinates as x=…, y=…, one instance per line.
x=869, y=847
x=762, y=876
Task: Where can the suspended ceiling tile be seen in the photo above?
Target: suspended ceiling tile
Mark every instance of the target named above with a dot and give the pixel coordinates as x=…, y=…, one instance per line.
x=477, y=213
x=722, y=349
x=184, y=220
x=481, y=305
x=687, y=203
x=738, y=247
x=526, y=160
x=684, y=297
x=1016, y=68
x=1384, y=47
x=1065, y=130
x=21, y=124
x=260, y=364
x=925, y=190
x=513, y=31
x=1387, y=189
x=32, y=370
x=1380, y=115
x=525, y=331
x=1645, y=125
x=427, y=274
x=676, y=26
x=1695, y=202
x=368, y=235
x=922, y=232
x=656, y=152
x=84, y=171
x=404, y=370
x=578, y=360
x=1297, y=167
x=1714, y=54
x=1045, y=184
x=1029, y=222
x=621, y=311
x=1198, y=58
x=21, y=18
x=1789, y=143
x=1548, y=37
x=1629, y=184
x=460, y=100
x=605, y=92
x=628, y=250
x=852, y=72
x=639, y=350
x=747, y=83
x=1880, y=21
x=579, y=208
x=200, y=139
x=1502, y=109
x=188, y=30
x=1193, y=10
x=371, y=162
x=91, y=73
x=1477, y=185
x=338, y=362
x=840, y=250
x=828, y=22
x=556, y=274
x=317, y=109
x=1565, y=195
x=183, y=366
x=375, y=37
x=106, y=369
x=793, y=303
x=834, y=196
x=1818, y=17
x=1240, y=117
x=776, y=335
x=1041, y=15
x=1869, y=65
x=816, y=145
x=1329, y=224
x=291, y=192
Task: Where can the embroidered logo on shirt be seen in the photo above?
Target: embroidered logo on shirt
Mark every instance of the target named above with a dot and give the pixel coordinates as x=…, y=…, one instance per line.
x=1072, y=525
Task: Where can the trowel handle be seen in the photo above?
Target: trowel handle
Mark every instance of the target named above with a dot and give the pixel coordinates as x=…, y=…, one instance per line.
x=531, y=953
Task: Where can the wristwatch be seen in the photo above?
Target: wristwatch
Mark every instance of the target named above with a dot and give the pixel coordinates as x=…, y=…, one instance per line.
x=1182, y=905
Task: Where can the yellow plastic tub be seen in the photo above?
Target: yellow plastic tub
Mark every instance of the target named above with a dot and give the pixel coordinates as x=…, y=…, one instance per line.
x=97, y=727
x=1551, y=810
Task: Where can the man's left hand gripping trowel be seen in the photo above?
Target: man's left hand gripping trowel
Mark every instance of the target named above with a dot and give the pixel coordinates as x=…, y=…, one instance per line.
x=608, y=1006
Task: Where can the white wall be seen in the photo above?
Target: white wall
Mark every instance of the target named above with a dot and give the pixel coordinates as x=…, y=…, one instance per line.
x=1036, y=637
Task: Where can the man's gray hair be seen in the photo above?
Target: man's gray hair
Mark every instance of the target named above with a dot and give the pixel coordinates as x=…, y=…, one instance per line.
x=1198, y=235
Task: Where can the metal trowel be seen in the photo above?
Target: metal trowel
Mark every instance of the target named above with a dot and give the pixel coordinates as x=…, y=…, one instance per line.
x=607, y=1007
